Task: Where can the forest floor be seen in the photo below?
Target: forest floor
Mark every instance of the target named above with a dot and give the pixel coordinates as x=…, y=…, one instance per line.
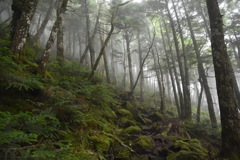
x=67, y=116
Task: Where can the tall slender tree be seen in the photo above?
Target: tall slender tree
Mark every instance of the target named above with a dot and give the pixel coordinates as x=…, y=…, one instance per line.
x=227, y=101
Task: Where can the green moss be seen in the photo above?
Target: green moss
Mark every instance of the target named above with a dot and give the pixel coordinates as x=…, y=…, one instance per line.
x=133, y=130
x=123, y=154
x=144, y=143
x=125, y=122
x=109, y=114
x=101, y=142
x=148, y=121
x=125, y=113
x=189, y=149
x=160, y=116
x=132, y=109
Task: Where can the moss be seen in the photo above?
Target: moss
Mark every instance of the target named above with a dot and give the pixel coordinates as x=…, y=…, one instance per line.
x=159, y=116
x=132, y=109
x=125, y=113
x=148, y=121
x=141, y=119
x=189, y=149
x=144, y=143
x=125, y=122
x=110, y=115
x=101, y=142
x=123, y=154
x=133, y=130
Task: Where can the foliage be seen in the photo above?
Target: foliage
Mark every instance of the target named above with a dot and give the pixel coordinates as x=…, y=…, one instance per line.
x=189, y=149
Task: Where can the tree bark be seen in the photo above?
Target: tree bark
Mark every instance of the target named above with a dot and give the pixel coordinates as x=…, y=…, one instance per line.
x=140, y=62
x=127, y=39
x=179, y=60
x=44, y=23
x=105, y=60
x=171, y=75
x=44, y=60
x=201, y=71
x=170, y=56
x=227, y=101
x=23, y=11
x=186, y=83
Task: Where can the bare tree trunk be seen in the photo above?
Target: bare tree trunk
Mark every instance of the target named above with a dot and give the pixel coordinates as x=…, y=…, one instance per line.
x=127, y=39
x=40, y=31
x=171, y=75
x=186, y=83
x=227, y=101
x=163, y=107
x=124, y=66
x=60, y=47
x=44, y=60
x=90, y=41
x=140, y=62
x=199, y=103
x=105, y=60
x=103, y=48
x=182, y=108
x=202, y=72
x=186, y=112
x=23, y=11
x=114, y=81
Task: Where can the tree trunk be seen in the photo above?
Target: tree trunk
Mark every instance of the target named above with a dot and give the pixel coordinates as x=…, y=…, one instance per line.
x=171, y=75
x=114, y=81
x=44, y=60
x=201, y=72
x=163, y=107
x=40, y=31
x=23, y=11
x=140, y=62
x=90, y=41
x=127, y=39
x=186, y=83
x=199, y=103
x=227, y=101
x=103, y=48
x=179, y=60
x=105, y=60
x=60, y=47
x=182, y=108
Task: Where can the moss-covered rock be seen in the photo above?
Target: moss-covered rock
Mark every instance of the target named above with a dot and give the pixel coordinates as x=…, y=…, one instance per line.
x=123, y=154
x=188, y=150
x=157, y=116
x=133, y=109
x=125, y=122
x=143, y=144
x=125, y=113
x=132, y=130
x=148, y=121
x=101, y=142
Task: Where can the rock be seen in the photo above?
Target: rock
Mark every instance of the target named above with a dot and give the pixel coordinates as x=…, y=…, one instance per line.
x=125, y=113
x=125, y=122
x=144, y=144
x=132, y=130
x=157, y=116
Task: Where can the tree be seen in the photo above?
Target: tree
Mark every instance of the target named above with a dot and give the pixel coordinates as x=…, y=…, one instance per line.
x=56, y=26
x=23, y=11
x=227, y=101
